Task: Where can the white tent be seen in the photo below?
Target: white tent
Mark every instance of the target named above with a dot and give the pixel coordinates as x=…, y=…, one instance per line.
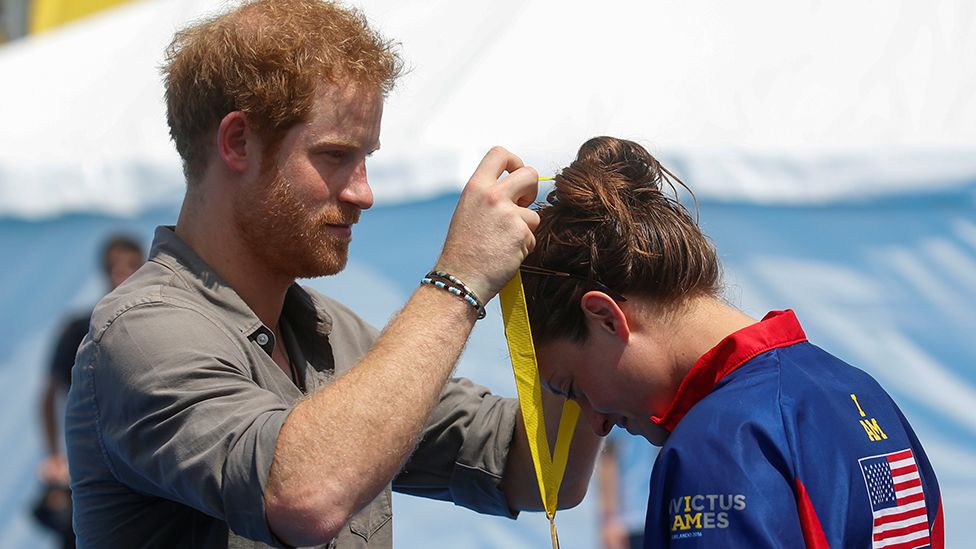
x=757, y=100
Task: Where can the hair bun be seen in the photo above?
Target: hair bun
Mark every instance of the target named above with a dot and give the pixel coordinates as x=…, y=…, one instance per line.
x=627, y=158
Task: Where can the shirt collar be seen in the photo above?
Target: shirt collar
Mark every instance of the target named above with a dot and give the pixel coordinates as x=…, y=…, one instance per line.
x=777, y=329
x=300, y=308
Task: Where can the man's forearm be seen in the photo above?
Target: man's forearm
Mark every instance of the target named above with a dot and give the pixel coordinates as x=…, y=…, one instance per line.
x=582, y=459
x=521, y=485
x=341, y=447
x=48, y=406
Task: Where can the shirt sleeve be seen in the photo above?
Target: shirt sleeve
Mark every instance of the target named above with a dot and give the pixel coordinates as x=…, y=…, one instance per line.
x=179, y=417
x=722, y=485
x=463, y=450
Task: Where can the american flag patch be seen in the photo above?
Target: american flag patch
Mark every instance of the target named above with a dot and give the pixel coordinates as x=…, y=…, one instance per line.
x=897, y=502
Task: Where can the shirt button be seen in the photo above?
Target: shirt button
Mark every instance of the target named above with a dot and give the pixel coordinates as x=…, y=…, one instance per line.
x=262, y=339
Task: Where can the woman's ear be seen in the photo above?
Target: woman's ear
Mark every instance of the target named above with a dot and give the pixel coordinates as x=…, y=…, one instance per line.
x=604, y=316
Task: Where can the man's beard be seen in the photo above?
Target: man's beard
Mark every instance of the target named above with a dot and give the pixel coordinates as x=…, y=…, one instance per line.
x=289, y=237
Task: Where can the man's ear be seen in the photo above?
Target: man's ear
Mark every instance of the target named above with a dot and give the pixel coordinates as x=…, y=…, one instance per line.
x=233, y=135
x=604, y=316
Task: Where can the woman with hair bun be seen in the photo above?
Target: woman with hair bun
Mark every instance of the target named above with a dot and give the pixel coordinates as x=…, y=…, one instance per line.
x=768, y=440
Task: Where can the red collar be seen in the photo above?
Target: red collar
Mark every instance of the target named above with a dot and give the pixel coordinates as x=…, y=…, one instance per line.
x=777, y=329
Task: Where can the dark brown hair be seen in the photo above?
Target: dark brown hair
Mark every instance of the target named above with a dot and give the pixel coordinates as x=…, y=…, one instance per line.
x=609, y=219
x=266, y=59
x=119, y=242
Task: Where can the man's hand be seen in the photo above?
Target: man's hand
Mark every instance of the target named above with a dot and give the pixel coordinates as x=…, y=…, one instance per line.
x=613, y=535
x=491, y=230
x=54, y=470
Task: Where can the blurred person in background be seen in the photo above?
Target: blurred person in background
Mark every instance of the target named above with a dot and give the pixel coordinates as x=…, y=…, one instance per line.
x=768, y=440
x=217, y=403
x=121, y=255
x=623, y=473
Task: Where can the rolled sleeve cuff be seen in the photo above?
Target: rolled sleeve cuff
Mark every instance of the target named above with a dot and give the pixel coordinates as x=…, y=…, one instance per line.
x=246, y=477
x=476, y=480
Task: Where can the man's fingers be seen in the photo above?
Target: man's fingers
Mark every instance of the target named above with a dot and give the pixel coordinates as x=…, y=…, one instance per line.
x=531, y=218
x=496, y=162
x=522, y=186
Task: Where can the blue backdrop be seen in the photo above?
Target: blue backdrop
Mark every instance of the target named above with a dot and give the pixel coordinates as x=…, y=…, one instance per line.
x=887, y=284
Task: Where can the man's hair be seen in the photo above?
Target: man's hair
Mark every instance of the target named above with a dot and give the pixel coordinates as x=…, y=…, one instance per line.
x=266, y=59
x=608, y=219
x=119, y=242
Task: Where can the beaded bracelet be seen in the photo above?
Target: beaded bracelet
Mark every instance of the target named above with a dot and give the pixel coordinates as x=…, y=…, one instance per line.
x=461, y=290
x=456, y=281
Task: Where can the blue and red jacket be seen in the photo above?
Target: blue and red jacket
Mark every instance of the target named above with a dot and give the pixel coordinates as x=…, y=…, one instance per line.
x=776, y=443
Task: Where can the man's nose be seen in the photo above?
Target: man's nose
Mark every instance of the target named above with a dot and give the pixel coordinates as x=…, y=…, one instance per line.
x=358, y=192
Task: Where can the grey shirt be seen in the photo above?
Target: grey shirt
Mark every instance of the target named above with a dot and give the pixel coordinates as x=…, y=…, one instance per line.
x=175, y=407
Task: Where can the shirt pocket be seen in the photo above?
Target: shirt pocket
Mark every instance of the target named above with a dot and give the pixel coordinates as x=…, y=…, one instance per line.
x=374, y=519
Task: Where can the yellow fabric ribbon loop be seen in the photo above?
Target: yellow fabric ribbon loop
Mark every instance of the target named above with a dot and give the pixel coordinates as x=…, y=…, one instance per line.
x=549, y=467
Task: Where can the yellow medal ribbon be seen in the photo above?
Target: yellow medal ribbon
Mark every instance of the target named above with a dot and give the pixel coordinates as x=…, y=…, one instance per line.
x=549, y=469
